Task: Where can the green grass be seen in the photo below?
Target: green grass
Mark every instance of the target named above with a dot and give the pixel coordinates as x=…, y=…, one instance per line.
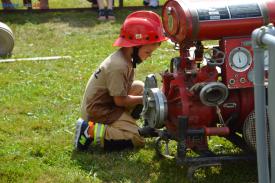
x=40, y=102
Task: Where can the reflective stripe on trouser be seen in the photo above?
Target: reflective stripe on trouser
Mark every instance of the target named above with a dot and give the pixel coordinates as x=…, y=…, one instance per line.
x=99, y=131
x=125, y=128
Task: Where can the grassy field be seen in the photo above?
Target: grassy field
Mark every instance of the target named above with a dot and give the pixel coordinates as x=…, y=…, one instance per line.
x=40, y=102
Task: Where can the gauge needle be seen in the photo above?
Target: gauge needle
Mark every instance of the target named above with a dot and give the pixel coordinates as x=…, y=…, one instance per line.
x=240, y=61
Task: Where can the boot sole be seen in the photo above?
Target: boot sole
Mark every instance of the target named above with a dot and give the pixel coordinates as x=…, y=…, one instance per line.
x=77, y=132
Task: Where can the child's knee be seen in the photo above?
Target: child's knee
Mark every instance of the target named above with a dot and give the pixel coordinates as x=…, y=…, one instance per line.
x=137, y=88
x=138, y=141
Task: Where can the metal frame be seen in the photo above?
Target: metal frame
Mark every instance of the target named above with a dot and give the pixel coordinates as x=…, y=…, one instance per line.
x=264, y=38
x=206, y=158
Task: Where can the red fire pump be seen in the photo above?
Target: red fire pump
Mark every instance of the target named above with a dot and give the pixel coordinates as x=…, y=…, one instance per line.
x=214, y=99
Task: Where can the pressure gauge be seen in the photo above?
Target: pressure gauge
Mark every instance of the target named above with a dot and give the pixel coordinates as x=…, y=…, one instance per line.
x=240, y=59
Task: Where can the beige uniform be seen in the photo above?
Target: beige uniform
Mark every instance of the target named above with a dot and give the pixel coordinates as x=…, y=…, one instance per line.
x=114, y=77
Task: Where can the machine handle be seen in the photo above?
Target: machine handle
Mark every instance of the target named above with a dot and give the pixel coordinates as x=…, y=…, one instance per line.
x=214, y=57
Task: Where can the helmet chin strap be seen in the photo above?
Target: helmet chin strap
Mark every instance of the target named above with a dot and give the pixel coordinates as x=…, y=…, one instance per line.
x=135, y=58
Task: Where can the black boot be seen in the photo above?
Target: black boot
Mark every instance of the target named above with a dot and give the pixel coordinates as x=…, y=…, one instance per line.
x=137, y=111
x=117, y=145
x=148, y=131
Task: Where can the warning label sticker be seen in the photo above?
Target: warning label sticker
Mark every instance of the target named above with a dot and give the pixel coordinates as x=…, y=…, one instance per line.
x=245, y=11
x=213, y=13
x=229, y=12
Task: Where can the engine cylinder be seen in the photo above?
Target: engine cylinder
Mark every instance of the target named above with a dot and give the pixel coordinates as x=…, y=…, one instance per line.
x=186, y=20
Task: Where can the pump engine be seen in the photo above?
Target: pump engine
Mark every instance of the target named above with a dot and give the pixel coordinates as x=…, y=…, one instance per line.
x=199, y=100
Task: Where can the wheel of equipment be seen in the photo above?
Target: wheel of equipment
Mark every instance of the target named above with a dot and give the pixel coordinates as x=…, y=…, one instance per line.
x=6, y=40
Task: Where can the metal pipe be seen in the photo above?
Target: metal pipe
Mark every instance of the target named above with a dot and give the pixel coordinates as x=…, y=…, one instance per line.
x=35, y=59
x=268, y=38
x=181, y=149
x=271, y=106
x=220, y=131
x=259, y=89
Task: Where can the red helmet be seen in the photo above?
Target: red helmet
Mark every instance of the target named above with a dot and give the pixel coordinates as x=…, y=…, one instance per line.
x=140, y=28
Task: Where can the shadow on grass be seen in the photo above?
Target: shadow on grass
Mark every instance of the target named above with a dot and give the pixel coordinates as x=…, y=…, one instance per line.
x=118, y=166
x=87, y=18
x=240, y=172
x=145, y=166
x=237, y=172
x=74, y=19
x=129, y=166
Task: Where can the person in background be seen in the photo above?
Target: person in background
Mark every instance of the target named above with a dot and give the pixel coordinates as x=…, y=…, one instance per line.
x=113, y=100
x=104, y=14
x=94, y=3
x=41, y=4
x=7, y=5
x=44, y=4
x=151, y=3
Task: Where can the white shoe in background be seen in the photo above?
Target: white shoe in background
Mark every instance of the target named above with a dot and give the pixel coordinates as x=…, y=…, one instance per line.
x=154, y=3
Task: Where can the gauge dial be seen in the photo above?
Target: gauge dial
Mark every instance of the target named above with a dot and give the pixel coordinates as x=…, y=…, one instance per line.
x=240, y=59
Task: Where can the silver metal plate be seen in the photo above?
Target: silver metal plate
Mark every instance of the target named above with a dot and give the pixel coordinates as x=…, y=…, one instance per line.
x=213, y=94
x=150, y=82
x=155, y=107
